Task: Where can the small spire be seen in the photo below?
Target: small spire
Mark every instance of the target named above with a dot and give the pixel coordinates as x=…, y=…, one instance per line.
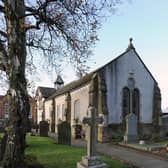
x=59, y=80
x=130, y=46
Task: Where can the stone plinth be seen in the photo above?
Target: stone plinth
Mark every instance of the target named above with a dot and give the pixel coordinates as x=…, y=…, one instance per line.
x=130, y=138
x=91, y=162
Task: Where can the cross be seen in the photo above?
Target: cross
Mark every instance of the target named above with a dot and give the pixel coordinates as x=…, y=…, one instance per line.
x=92, y=122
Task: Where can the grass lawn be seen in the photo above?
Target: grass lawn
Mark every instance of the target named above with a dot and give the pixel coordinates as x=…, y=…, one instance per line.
x=164, y=142
x=53, y=155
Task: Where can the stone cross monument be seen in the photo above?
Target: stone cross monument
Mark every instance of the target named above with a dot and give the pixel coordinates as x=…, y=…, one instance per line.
x=91, y=160
x=92, y=121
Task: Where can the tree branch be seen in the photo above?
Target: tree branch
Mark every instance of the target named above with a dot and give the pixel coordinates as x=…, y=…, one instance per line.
x=51, y=23
x=31, y=10
x=36, y=26
x=3, y=33
x=2, y=9
x=42, y=6
x=3, y=57
x=45, y=4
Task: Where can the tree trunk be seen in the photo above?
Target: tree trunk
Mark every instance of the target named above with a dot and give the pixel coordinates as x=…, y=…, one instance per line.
x=17, y=95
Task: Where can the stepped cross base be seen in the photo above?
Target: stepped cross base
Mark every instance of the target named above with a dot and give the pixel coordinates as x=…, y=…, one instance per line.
x=91, y=162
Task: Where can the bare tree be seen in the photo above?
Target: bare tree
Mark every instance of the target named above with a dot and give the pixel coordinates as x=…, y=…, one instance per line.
x=54, y=28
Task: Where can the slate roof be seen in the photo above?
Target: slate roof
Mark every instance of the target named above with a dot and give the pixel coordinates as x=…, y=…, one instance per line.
x=46, y=91
x=73, y=85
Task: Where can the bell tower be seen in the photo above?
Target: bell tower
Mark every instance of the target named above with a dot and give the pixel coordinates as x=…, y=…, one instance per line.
x=58, y=82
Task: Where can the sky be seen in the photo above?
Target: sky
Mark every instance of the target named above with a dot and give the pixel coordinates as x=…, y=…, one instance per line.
x=146, y=22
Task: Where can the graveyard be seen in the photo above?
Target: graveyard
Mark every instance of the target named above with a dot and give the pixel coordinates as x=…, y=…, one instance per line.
x=52, y=155
x=49, y=153
x=63, y=125
x=73, y=93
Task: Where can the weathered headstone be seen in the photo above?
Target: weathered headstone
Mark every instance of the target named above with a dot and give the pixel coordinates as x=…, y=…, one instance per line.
x=91, y=160
x=44, y=128
x=64, y=133
x=78, y=130
x=131, y=128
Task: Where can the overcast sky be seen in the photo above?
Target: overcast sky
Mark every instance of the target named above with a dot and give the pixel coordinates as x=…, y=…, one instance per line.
x=146, y=22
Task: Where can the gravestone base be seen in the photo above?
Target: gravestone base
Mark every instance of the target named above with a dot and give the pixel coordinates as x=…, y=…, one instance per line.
x=130, y=138
x=91, y=162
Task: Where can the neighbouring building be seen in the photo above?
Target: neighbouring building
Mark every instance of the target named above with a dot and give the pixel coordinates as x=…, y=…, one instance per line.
x=4, y=112
x=123, y=79
x=33, y=111
x=42, y=93
x=164, y=123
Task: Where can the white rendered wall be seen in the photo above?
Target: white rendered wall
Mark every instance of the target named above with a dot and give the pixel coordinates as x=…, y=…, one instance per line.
x=39, y=114
x=81, y=94
x=39, y=109
x=59, y=115
x=48, y=109
x=116, y=75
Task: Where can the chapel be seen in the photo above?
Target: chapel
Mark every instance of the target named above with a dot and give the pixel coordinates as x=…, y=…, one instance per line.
x=123, y=86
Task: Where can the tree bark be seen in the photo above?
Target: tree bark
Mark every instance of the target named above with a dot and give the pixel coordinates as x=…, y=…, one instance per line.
x=17, y=95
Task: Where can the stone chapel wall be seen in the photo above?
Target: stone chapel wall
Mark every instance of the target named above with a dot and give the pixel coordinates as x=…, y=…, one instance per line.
x=59, y=109
x=116, y=75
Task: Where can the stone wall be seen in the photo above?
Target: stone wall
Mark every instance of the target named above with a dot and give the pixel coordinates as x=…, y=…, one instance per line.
x=116, y=76
x=156, y=110
x=145, y=131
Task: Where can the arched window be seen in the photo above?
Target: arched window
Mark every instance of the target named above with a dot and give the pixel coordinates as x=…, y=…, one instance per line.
x=76, y=109
x=126, y=101
x=136, y=102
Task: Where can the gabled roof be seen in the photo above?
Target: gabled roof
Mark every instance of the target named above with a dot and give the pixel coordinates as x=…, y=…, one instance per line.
x=77, y=83
x=46, y=91
x=130, y=47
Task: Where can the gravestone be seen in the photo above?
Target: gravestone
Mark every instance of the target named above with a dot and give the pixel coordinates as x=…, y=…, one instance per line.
x=91, y=160
x=64, y=133
x=131, y=128
x=44, y=128
x=78, y=130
